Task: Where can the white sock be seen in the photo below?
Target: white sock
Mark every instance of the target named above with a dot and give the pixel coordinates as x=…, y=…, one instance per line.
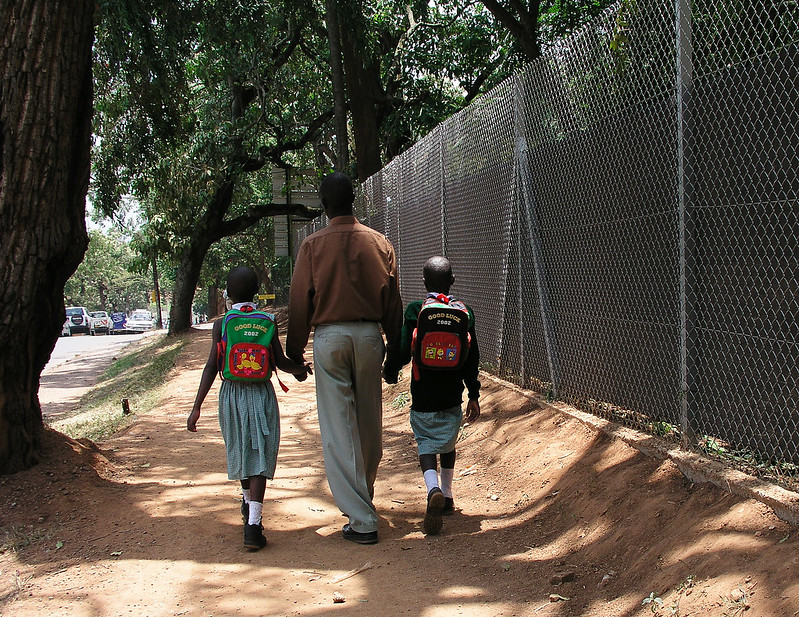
x=446, y=481
x=245, y=492
x=431, y=479
x=255, y=512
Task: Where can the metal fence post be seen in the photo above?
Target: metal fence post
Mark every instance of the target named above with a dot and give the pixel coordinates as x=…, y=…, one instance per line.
x=684, y=78
x=442, y=191
x=528, y=220
x=534, y=238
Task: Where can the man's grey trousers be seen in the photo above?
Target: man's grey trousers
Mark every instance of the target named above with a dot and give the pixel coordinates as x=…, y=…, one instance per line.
x=348, y=360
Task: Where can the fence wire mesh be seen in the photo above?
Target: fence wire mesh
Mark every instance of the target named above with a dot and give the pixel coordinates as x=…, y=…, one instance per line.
x=622, y=216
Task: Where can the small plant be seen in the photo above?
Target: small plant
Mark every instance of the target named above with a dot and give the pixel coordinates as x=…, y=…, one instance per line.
x=662, y=429
x=737, y=603
x=18, y=537
x=655, y=603
x=687, y=584
x=401, y=400
x=713, y=445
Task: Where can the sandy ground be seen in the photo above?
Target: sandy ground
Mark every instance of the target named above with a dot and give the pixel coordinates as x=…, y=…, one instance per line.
x=554, y=519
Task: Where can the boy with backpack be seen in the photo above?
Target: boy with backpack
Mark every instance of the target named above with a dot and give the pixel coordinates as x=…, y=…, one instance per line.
x=245, y=350
x=438, y=337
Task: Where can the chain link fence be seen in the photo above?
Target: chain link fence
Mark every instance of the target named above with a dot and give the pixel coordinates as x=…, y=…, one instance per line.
x=622, y=216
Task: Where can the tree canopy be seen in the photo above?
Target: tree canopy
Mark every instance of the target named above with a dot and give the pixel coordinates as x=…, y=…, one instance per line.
x=197, y=101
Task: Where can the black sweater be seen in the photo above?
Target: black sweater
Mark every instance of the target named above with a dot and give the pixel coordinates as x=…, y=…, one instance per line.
x=438, y=390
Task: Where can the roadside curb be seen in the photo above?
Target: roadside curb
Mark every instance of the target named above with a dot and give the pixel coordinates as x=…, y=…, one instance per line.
x=697, y=468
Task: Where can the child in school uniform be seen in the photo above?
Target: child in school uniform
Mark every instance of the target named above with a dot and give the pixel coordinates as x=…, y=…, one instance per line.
x=248, y=411
x=437, y=392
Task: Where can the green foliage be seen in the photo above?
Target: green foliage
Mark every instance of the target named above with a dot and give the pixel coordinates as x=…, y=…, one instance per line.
x=559, y=18
x=202, y=98
x=105, y=279
x=402, y=399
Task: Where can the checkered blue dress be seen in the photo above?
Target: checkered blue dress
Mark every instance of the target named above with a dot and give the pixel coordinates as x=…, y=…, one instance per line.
x=250, y=424
x=436, y=432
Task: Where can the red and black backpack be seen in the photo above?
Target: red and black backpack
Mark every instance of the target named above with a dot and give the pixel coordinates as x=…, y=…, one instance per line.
x=441, y=339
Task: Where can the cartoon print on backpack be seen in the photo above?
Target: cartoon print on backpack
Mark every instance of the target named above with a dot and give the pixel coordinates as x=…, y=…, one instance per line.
x=243, y=352
x=441, y=338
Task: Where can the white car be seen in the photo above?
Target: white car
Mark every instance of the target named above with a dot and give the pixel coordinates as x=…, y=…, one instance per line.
x=79, y=320
x=65, y=331
x=140, y=320
x=102, y=322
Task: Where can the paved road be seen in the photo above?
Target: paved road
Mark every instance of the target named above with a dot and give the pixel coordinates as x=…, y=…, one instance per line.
x=68, y=347
x=76, y=364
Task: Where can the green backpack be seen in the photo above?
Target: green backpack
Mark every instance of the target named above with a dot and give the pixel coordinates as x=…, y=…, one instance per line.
x=243, y=354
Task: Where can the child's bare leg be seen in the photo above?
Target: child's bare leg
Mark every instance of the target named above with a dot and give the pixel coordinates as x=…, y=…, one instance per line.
x=245, y=500
x=253, y=534
x=447, y=474
x=257, y=486
x=429, y=467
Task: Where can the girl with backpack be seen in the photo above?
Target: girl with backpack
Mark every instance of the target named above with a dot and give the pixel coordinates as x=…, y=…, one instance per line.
x=245, y=350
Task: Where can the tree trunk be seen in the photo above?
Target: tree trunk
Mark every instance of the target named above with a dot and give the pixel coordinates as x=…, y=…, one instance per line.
x=186, y=278
x=363, y=87
x=45, y=129
x=213, y=300
x=339, y=90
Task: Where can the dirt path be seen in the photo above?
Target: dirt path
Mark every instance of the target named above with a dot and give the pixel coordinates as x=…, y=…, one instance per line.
x=148, y=524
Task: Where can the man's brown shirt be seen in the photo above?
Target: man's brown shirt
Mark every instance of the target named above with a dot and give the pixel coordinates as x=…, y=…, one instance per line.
x=344, y=272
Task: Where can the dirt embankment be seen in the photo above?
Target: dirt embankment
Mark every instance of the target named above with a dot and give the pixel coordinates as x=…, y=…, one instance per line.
x=554, y=519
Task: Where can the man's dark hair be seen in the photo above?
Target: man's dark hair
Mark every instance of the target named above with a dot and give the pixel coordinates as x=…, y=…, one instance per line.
x=337, y=194
x=438, y=274
x=242, y=284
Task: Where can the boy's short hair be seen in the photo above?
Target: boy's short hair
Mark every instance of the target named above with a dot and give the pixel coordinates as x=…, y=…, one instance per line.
x=437, y=273
x=242, y=284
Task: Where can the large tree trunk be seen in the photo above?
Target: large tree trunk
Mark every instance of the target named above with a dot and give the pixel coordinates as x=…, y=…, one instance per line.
x=186, y=278
x=364, y=89
x=339, y=89
x=45, y=129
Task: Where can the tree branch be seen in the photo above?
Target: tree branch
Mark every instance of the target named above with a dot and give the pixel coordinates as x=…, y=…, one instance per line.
x=275, y=152
x=474, y=89
x=524, y=28
x=257, y=212
x=280, y=57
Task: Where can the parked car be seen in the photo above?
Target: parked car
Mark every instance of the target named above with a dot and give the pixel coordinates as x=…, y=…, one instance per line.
x=102, y=322
x=65, y=331
x=119, y=323
x=140, y=320
x=80, y=320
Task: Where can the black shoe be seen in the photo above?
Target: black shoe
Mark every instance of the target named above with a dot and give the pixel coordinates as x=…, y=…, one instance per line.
x=449, y=506
x=254, y=537
x=435, y=506
x=368, y=537
x=245, y=511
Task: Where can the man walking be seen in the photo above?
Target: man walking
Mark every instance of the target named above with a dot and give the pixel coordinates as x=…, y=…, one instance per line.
x=345, y=287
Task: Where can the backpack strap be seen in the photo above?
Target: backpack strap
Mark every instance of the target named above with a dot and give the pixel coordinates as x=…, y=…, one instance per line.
x=272, y=364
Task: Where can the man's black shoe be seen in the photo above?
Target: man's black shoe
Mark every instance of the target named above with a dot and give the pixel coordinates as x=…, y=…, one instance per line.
x=368, y=537
x=254, y=537
x=449, y=506
x=435, y=507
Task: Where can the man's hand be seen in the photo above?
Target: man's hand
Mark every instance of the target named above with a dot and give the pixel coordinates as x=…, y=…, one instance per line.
x=472, y=410
x=191, y=423
x=390, y=375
